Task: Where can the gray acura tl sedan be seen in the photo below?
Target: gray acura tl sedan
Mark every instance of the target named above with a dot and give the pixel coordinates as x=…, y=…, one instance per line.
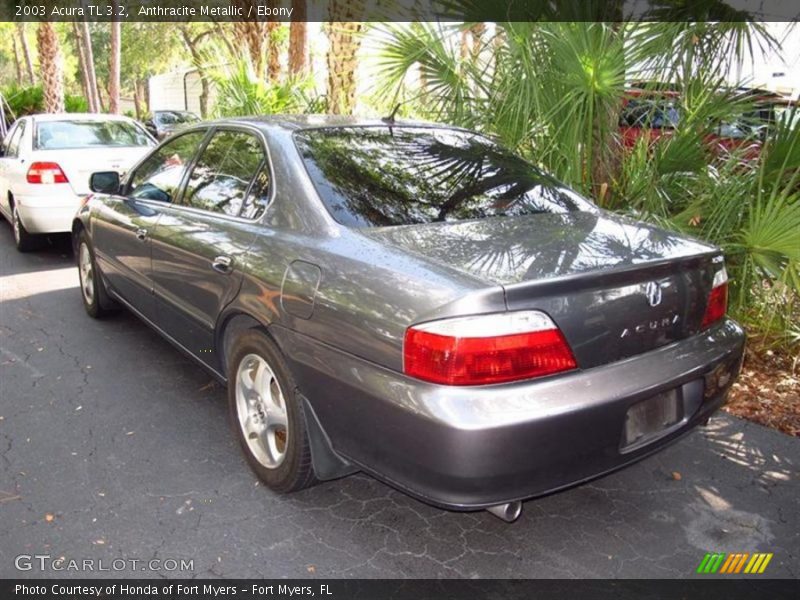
x=412, y=301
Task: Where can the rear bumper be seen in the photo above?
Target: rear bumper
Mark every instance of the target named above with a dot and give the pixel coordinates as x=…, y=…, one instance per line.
x=469, y=448
x=50, y=213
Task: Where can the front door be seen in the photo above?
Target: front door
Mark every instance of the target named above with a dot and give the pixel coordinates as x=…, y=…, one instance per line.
x=11, y=164
x=199, y=241
x=122, y=227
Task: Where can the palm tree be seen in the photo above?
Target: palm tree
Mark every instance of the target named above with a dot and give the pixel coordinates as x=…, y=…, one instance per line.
x=114, y=59
x=344, y=38
x=253, y=34
x=554, y=91
x=50, y=63
x=298, y=39
x=274, y=61
x=26, y=53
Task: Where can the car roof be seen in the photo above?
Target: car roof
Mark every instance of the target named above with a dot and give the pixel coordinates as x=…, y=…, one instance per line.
x=296, y=122
x=79, y=117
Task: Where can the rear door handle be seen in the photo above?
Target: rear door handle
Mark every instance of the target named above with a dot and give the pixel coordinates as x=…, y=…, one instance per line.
x=141, y=234
x=222, y=264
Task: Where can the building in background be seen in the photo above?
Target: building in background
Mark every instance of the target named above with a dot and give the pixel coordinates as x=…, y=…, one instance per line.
x=178, y=90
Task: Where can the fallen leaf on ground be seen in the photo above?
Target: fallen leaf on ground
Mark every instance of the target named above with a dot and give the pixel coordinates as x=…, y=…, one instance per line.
x=8, y=497
x=676, y=476
x=49, y=518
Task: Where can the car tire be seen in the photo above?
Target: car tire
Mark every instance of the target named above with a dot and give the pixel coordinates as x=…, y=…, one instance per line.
x=24, y=241
x=266, y=414
x=95, y=297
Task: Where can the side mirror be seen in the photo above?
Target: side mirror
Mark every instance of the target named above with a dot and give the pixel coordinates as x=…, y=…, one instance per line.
x=105, y=182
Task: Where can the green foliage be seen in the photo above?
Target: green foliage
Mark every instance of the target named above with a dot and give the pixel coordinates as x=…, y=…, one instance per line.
x=24, y=100
x=29, y=100
x=75, y=104
x=554, y=90
x=240, y=93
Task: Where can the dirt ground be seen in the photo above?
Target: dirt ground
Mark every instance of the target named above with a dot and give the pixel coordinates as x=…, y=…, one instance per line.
x=768, y=390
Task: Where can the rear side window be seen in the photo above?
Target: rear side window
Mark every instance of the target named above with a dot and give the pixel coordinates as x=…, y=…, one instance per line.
x=259, y=195
x=159, y=177
x=222, y=174
x=12, y=150
x=382, y=176
x=62, y=135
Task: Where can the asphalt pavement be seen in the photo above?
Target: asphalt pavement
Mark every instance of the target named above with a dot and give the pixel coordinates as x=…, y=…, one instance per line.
x=115, y=447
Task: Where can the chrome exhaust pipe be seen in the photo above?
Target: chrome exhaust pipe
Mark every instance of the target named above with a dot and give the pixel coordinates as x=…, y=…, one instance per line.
x=509, y=512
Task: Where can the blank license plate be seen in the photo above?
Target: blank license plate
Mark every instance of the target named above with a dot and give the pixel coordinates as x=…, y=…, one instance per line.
x=649, y=418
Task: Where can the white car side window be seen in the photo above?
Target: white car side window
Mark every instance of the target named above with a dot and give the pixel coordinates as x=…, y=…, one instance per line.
x=12, y=150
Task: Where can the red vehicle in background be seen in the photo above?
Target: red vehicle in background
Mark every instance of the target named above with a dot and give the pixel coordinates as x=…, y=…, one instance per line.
x=655, y=113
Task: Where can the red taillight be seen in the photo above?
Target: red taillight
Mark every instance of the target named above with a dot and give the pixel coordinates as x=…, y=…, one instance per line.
x=486, y=349
x=717, y=304
x=46, y=172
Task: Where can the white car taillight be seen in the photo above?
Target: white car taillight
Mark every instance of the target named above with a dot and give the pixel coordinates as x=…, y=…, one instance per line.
x=486, y=349
x=46, y=173
x=717, y=304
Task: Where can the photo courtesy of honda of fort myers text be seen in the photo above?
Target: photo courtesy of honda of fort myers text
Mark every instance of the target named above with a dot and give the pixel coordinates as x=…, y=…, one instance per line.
x=422, y=299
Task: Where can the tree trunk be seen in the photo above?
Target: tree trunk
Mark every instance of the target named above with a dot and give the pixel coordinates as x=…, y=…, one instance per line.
x=51, y=67
x=140, y=99
x=298, y=39
x=254, y=36
x=86, y=40
x=274, y=62
x=193, y=45
x=477, y=31
x=113, y=64
x=224, y=35
x=17, y=64
x=26, y=53
x=137, y=102
x=76, y=30
x=344, y=38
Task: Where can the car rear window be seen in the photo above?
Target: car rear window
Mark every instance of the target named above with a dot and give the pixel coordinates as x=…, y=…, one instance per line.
x=175, y=118
x=62, y=135
x=375, y=176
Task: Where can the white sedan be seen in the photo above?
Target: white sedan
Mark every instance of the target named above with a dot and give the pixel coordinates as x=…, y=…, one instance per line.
x=46, y=161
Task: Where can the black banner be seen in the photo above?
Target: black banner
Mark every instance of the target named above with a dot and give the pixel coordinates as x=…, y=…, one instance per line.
x=732, y=588
x=401, y=10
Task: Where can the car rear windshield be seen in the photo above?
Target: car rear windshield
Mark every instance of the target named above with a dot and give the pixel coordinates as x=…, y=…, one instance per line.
x=61, y=135
x=375, y=176
x=175, y=118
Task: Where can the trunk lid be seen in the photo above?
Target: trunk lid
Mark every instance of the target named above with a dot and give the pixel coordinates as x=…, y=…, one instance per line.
x=79, y=164
x=615, y=287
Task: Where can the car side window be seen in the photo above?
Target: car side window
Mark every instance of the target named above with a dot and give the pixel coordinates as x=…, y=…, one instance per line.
x=12, y=149
x=159, y=177
x=222, y=174
x=257, y=199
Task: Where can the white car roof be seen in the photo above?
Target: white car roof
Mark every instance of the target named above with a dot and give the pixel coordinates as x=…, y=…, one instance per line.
x=79, y=117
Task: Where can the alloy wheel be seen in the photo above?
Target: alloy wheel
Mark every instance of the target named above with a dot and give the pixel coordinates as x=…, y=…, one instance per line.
x=86, y=273
x=261, y=410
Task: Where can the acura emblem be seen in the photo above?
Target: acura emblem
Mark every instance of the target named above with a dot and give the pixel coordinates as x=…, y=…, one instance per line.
x=653, y=292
